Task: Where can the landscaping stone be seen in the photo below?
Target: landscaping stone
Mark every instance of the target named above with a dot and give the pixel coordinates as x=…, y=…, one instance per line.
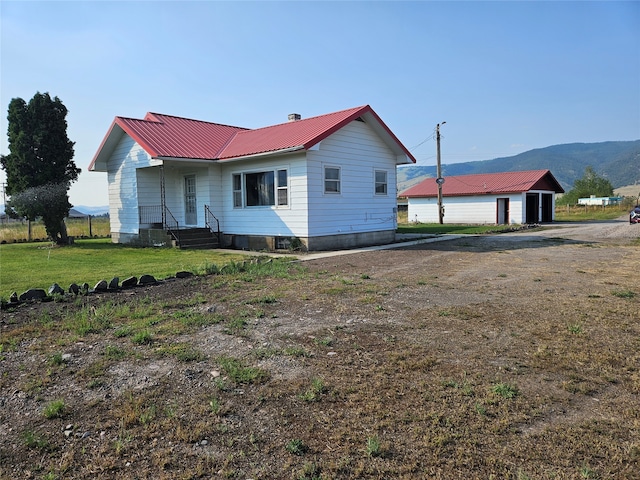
x=33, y=294
x=85, y=287
x=56, y=289
x=147, y=280
x=184, y=274
x=101, y=286
x=113, y=284
x=14, y=297
x=129, y=282
x=74, y=288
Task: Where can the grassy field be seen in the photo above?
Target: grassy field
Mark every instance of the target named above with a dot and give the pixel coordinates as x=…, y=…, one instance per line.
x=39, y=265
x=76, y=227
x=584, y=213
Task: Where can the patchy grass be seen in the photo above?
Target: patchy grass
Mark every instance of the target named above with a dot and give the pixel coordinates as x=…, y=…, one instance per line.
x=584, y=213
x=455, y=379
x=40, y=265
x=437, y=229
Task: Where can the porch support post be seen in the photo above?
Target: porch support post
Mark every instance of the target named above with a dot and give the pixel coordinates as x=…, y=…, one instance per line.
x=162, y=197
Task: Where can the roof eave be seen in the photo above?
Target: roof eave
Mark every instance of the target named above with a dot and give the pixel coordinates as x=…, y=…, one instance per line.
x=403, y=155
x=264, y=154
x=106, y=148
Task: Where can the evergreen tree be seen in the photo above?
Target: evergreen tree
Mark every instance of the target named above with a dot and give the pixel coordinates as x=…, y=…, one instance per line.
x=41, y=157
x=590, y=184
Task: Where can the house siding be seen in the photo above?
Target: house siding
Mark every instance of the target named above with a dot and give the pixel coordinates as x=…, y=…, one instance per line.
x=286, y=221
x=123, y=185
x=358, y=152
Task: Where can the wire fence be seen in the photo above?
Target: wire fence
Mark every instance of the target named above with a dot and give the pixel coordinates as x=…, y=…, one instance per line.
x=15, y=231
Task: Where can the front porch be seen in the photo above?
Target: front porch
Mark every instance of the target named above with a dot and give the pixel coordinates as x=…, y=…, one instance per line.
x=158, y=226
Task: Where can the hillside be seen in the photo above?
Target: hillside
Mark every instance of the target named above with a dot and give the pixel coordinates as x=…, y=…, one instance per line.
x=617, y=161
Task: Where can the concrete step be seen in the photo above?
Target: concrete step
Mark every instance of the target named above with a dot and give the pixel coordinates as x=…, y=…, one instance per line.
x=197, y=238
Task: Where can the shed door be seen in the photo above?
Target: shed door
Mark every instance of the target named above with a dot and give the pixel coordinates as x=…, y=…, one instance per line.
x=547, y=207
x=190, y=201
x=502, y=211
x=532, y=208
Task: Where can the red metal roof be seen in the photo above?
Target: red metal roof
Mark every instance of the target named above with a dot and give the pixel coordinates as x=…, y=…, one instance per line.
x=300, y=133
x=166, y=136
x=176, y=137
x=487, y=184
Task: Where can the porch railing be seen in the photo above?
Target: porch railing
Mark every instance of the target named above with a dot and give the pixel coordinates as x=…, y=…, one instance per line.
x=212, y=223
x=171, y=225
x=150, y=215
x=157, y=215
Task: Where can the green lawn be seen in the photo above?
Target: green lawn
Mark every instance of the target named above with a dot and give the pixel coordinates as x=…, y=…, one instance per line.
x=39, y=265
x=436, y=228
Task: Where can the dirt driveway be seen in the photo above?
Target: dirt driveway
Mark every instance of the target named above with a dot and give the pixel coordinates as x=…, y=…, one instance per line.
x=500, y=356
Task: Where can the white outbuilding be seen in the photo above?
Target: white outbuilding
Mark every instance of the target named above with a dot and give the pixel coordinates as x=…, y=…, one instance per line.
x=490, y=198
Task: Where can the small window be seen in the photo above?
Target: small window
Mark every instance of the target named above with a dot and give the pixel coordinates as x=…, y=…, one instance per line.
x=237, y=191
x=331, y=180
x=283, y=190
x=381, y=182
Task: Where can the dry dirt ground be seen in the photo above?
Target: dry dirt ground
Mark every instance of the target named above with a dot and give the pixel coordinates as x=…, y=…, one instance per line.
x=504, y=356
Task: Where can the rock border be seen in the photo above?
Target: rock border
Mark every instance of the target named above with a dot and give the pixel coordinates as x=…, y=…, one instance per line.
x=33, y=295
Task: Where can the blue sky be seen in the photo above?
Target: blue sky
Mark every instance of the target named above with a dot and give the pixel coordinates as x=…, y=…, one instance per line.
x=507, y=77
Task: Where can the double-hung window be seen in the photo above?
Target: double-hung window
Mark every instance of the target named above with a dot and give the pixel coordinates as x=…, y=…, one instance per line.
x=260, y=189
x=237, y=191
x=331, y=180
x=381, y=182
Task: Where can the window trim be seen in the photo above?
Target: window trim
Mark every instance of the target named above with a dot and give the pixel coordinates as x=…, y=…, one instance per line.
x=239, y=197
x=338, y=181
x=237, y=194
x=376, y=183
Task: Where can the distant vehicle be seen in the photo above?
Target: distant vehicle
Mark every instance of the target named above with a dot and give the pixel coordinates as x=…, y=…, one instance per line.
x=634, y=215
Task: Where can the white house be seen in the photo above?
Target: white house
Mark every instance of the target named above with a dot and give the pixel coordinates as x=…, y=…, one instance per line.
x=327, y=181
x=491, y=198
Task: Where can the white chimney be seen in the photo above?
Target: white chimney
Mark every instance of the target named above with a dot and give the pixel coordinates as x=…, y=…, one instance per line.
x=294, y=117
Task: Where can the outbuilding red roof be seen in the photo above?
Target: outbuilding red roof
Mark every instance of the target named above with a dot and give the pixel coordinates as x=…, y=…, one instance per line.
x=166, y=136
x=486, y=184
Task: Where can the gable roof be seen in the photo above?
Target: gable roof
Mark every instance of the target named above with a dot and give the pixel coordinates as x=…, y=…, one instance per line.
x=486, y=184
x=169, y=137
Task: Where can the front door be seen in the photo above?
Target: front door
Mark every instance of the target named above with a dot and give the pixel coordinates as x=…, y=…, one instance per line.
x=190, y=201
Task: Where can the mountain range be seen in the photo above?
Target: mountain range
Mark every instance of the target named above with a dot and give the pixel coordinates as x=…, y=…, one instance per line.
x=619, y=162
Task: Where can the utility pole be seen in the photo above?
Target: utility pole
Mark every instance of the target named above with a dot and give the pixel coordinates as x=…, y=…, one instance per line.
x=439, y=180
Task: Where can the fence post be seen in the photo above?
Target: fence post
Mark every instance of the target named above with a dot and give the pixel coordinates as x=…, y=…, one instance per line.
x=90, y=232
x=28, y=230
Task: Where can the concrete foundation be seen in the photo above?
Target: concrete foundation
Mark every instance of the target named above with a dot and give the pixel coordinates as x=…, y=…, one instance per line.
x=148, y=237
x=152, y=237
x=329, y=242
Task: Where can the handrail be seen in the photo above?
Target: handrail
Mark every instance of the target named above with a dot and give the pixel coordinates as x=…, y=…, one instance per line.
x=171, y=224
x=209, y=217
